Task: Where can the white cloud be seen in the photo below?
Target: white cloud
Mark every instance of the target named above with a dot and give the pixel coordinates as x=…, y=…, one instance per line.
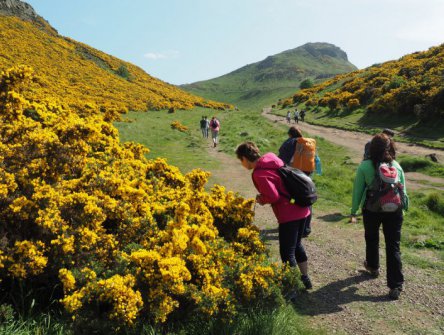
x=162, y=55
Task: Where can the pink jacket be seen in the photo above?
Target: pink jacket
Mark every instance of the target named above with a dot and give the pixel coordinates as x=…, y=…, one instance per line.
x=217, y=123
x=269, y=184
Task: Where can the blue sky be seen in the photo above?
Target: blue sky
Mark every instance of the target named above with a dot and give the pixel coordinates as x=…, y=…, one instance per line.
x=183, y=41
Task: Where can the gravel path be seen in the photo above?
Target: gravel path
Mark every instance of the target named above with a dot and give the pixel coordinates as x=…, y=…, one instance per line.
x=345, y=300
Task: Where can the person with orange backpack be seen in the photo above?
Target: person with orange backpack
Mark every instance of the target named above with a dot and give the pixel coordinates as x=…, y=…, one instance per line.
x=300, y=153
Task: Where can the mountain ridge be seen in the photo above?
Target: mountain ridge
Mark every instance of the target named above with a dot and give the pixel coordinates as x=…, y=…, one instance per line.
x=278, y=73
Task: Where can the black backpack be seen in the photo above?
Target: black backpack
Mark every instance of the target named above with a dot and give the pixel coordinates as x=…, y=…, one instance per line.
x=300, y=187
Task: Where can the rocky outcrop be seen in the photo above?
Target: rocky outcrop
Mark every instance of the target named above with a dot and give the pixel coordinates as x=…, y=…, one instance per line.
x=25, y=12
x=18, y=8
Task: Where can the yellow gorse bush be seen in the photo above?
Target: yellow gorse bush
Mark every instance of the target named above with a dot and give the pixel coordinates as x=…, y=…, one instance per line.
x=126, y=237
x=179, y=126
x=411, y=85
x=84, y=78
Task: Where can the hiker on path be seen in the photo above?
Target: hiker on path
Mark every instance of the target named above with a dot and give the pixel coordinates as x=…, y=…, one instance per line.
x=390, y=133
x=215, y=127
x=303, y=115
x=207, y=126
x=291, y=217
x=203, y=125
x=300, y=152
x=296, y=116
x=288, y=117
x=379, y=186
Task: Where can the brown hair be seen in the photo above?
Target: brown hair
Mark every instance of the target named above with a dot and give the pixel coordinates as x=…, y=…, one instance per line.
x=294, y=132
x=382, y=149
x=249, y=150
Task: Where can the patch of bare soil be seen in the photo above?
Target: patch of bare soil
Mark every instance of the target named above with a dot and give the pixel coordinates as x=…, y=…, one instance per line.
x=344, y=298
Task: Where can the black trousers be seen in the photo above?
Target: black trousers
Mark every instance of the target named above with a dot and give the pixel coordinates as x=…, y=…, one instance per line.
x=391, y=226
x=290, y=246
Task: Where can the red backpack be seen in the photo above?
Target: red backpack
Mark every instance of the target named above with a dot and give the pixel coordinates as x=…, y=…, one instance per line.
x=386, y=193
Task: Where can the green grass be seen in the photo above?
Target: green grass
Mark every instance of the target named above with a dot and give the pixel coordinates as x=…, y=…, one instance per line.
x=186, y=150
x=282, y=320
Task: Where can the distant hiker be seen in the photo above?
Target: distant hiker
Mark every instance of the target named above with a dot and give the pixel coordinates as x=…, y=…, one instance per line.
x=203, y=124
x=215, y=127
x=207, y=126
x=303, y=115
x=300, y=152
x=296, y=116
x=291, y=217
x=390, y=133
x=379, y=188
x=288, y=117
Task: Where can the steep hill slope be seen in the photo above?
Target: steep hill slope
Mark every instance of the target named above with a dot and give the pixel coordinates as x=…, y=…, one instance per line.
x=275, y=75
x=79, y=75
x=407, y=94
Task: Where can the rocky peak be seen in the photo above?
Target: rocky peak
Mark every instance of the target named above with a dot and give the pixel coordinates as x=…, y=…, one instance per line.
x=25, y=12
x=18, y=8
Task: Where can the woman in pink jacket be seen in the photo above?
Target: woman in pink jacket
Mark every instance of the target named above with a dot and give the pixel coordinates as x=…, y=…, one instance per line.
x=215, y=127
x=291, y=217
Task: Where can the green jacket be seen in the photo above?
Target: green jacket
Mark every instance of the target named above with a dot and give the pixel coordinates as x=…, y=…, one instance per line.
x=364, y=177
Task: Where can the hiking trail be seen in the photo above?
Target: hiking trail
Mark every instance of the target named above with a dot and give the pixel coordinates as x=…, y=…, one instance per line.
x=343, y=298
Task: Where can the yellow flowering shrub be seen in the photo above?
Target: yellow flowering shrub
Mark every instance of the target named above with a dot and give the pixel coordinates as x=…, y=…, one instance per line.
x=81, y=77
x=406, y=86
x=179, y=126
x=125, y=238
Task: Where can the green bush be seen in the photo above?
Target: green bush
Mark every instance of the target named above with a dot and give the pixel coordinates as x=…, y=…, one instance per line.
x=435, y=202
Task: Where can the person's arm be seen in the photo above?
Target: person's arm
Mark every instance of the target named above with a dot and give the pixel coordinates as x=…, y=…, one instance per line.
x=402, y=180
x=358, y=190
x=268, y=193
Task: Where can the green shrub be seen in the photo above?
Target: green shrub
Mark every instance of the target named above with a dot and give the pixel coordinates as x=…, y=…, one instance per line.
x=435, y=202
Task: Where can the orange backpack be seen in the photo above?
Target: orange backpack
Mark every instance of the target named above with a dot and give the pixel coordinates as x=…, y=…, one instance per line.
x=304, y=154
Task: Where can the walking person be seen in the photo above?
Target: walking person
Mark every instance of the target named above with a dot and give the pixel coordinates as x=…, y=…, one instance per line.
x=300, y=152
x=296, y=116
x=288, y=117
x=379, y=188
x=303, y=115
x=207, y=126
x=215, y=127
x=203, y=124
x=291, y=217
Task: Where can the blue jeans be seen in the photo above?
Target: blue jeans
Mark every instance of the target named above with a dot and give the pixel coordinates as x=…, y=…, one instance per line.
x=290, y=244
x=391, y=226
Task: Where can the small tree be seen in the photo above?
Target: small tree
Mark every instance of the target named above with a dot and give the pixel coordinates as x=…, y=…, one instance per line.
x=307, y=83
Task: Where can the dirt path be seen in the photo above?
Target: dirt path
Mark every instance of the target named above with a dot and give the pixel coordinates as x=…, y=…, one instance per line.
x=345, y=300
x=355, y=142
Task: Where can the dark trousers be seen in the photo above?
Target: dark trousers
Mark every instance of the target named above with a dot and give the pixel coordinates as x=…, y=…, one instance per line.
x=391, y=226
x=290, y=246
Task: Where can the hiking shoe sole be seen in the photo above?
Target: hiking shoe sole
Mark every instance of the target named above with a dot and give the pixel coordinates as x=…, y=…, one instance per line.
x=373, y=272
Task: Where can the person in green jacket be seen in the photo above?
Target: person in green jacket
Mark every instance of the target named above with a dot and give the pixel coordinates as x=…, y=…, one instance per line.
x=382, y=150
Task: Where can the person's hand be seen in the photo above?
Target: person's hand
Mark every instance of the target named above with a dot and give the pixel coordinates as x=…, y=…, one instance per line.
x=259, y=200
x=353, y=219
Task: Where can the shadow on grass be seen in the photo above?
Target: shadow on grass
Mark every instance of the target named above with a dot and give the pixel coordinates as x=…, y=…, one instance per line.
x=270, y=234
x=335, y=217
x=332, y=297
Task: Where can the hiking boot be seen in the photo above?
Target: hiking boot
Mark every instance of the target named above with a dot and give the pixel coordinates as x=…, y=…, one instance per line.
x=306, y=281
x=373, y=272
x=394, y=293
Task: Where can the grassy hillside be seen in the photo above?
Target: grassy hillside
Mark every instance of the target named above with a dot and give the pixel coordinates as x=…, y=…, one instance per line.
x=275, y=76
x=80, y=76
x=406, y=94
